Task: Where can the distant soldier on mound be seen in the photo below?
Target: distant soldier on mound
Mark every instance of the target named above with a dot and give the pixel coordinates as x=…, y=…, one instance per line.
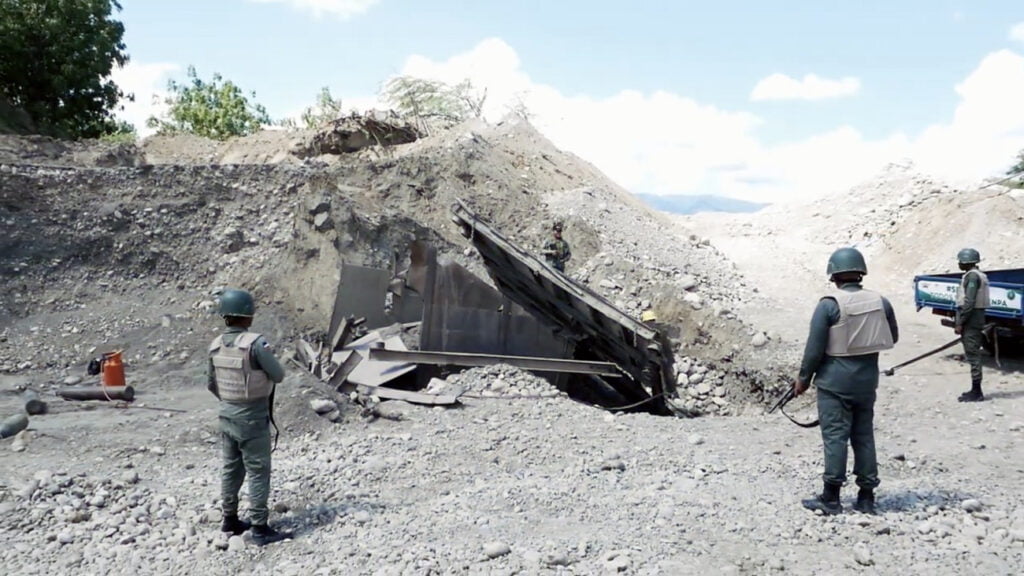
x=556, y=251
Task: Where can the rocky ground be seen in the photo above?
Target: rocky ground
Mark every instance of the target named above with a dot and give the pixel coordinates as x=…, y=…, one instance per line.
x=123, y=252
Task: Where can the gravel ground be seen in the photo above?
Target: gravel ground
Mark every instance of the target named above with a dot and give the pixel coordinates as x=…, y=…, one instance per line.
x=518, y=479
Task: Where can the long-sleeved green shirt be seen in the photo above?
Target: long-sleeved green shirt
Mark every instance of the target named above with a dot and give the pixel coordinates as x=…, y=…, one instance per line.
x=846, y=375
x=262, y=359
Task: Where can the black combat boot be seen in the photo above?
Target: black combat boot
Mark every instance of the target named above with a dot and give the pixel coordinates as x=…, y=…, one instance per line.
x=865, y=501
x=973, y=395
x=263, y=535
x=231, y=523
x=827, y=501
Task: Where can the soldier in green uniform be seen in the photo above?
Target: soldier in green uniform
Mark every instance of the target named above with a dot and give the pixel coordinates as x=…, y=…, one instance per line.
x=848, y=329
x=972, y=298
x=242, y=373
x=556, y=251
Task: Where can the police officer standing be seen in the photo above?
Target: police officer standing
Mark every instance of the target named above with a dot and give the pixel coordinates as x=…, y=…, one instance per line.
x=556, y=251
x=972, y=299
x=848, y=330
x=242, y=373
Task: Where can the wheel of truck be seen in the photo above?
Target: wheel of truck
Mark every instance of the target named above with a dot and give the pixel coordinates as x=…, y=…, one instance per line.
x=988, y=345
x=1008, y=346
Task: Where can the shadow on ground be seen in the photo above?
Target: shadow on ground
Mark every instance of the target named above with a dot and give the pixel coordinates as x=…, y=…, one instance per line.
x=312, y=517
x=914, y=500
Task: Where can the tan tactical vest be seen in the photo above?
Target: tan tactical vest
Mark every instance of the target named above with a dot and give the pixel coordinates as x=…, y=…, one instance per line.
x=862, y=327
x=981, y=300
x=237, y=380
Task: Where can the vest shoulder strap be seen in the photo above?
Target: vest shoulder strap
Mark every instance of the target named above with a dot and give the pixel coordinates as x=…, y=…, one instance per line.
x=216, y=344
x=247, y=339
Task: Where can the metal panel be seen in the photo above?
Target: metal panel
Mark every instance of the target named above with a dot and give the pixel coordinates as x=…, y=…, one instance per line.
x=462, y=313
x=373, y=372
x=600, y=330
x=361, y=293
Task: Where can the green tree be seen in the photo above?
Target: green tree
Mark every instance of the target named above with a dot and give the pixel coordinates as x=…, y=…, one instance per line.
x=1018, y=168
x=56, y=57
x=432, y=100
x=122, y=133
x=325, y=110
x=217, y=109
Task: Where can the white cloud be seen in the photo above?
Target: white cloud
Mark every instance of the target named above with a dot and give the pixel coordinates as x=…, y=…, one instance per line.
x=148, y=82
x=665, y=143
x=342, y=9
x=1017, y=32
x=987, y=127
x=812, y=87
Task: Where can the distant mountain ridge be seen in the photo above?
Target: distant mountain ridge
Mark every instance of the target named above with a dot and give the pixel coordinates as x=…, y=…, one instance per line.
x=694, y=203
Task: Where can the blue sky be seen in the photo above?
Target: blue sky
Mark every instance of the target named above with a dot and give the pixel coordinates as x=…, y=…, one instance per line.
x=901, y=62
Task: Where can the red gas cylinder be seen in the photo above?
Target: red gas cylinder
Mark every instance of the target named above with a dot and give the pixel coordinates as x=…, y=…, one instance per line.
x=112, y=369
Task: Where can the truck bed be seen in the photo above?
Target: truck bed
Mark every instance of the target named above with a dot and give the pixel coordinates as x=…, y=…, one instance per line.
x=1006, y=291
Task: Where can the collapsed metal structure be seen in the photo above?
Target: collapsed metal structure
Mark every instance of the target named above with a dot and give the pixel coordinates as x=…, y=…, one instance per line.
x=537, y=319
x=596, y=328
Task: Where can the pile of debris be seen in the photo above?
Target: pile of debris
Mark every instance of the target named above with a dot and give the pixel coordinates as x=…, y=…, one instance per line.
x=497, y=381
x=701, y=390
x=358, y=131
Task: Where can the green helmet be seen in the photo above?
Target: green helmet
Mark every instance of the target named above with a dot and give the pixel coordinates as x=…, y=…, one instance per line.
x=846, y=260
x=968, y=256
x=234, y=302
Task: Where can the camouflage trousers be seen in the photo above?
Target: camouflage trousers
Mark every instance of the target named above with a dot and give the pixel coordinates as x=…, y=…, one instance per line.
x=245, y=446
x=848, y=421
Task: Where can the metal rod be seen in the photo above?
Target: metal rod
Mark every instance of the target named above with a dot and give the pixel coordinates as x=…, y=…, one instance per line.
x=950, y=344
x=33, y=405
x=525, y=362
x=12, y=425
x=344, y=370
x=126, y=393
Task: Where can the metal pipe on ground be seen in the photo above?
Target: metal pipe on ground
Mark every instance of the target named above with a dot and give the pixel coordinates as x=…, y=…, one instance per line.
x=12, y=425
x=126, y=393
x=33, y=405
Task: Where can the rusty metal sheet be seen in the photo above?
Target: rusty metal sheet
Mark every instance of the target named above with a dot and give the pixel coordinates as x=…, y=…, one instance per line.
x=599, y=329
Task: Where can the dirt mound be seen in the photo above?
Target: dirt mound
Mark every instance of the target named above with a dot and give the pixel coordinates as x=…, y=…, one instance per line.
x=904, y=222
x=46, y=151
x=908, y=223
x=98, y=257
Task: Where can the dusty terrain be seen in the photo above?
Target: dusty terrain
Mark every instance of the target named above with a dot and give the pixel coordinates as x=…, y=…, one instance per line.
x=113, y=247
